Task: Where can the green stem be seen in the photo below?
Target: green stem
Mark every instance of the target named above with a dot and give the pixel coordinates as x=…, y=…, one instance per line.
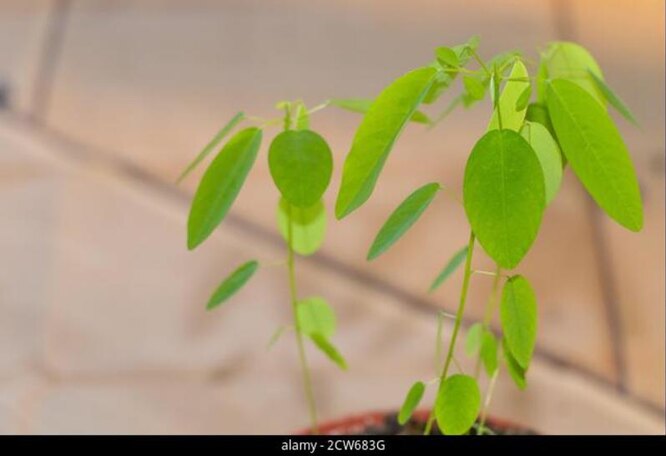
x=486, y=403
x=456, y=325
x=307, y=380
x=490, y=311
x=480, y=62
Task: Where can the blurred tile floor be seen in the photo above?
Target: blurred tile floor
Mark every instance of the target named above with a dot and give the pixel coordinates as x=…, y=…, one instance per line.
x=101, y=316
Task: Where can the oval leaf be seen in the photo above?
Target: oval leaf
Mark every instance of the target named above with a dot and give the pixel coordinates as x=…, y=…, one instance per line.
x=220, y=185
x=412, y=401
x=518, y=314
x=549, y=156
x=232, y=284
x=308, y=227
x=453, y=264
x=447, y=56
x=376, y=135
x=596, y=153
x=329, y=350
x=504, y=195
x=314, y=315
x=402, y=219
x=570, y=61
x=301, y=165
x=224, y=131
x=511, y=111
x=516, y=372
x=458, y=404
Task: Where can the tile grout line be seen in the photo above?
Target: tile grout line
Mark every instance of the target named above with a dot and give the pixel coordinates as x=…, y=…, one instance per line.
x=565, y=29
x=42, y=88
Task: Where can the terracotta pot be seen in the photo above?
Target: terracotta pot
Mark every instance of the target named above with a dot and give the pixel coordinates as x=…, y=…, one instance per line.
x=384, y=422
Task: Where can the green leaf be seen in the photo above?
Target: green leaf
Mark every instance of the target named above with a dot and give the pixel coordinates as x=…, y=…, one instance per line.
x=516, y=372
x=362, y=105
x=301, y=165
x=220, y=185
x=473, y=339
x=549, y=155
x=224, y=131
x=596, y=153
x=308, y=228
x=474, y=88
x=612, y=98
x=537, y=112
x=518, y=314
x=329, y=350
x=447, y=56
x=301, y=117
x=376, y=135
x=412, y=401
x=503, y=194
x=402, y=219
x=524, y=98
x=512, y=117
x=276, y=336
x=456, y=260
x=458, y=404
x=443, y=80
x=314, y=315
x=570, y=61
x=232, y=284
x=488, y=352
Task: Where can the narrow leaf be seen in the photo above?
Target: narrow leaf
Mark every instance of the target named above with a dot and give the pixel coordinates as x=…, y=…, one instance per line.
x=516, y=372
x=402, y=218
x=454, y=263
x=232, y=284
x=613, y=98
x=220, y=185
x=308, y=228
x=314, y=315
x=458, y=404
x=488, y=352
x=276, y=336
x=503, y=194
x=473, y=339
x=512, y=117
x=362, y=105
x=518, y=314
x=549, y=155
x=224, y=131
x=376, y=135
x=329, y=350
x=301, y=117
x=596, y=153
x=301, y=165
x=412, y=401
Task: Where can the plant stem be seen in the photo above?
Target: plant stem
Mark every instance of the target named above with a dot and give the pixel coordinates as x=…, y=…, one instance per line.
x=456, y=325
x=486, y=403
x=490, y=311
x=307, y=380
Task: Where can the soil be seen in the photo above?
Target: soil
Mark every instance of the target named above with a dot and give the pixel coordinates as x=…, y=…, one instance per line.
x=387, y=424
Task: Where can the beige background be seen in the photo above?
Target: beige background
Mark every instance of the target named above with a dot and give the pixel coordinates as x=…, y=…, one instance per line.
x=102, y=328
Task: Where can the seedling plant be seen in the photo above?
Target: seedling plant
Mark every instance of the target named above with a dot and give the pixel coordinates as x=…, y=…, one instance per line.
x=541, y=121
